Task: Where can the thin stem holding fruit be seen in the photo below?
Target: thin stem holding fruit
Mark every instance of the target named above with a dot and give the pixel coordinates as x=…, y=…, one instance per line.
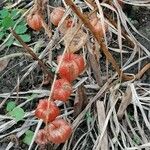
x=105, y=50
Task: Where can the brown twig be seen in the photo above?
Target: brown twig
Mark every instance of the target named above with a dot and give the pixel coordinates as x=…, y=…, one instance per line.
x=105, y=50
x=142, y=71
x=34, y=56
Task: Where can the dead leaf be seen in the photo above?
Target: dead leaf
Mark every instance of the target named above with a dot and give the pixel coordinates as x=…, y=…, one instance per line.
x=80, y=100
x=78, y=40
x=46, y=28
x=126, y=100
x=46, y=79
x=101, y=122
x=94, y=62
x=3, y=64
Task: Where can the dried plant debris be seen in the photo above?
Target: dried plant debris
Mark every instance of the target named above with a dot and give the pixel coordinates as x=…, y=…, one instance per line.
x=101, y=122
x=93, y=38
x=126, y=100
x=78, y=41
x=80, y=101
x=3, y=64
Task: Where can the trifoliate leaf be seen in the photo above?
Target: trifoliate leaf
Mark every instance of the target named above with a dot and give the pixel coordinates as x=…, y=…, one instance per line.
x=28, y=137
x=23, y=23
x=29, y=133
x=10, y=106
x=18, y=113
x=4, y=13
x=15, y=14
x=20, y=29
x=26, y=37
x=7, y=22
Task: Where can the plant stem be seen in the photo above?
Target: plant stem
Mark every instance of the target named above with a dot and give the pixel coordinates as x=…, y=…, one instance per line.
x=34, y=56
x=142, y=71
x=100, y=40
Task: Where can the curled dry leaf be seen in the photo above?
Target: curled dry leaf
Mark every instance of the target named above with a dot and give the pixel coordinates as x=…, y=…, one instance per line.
x=3, y=64
x=78, y=40
x=80, y=100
